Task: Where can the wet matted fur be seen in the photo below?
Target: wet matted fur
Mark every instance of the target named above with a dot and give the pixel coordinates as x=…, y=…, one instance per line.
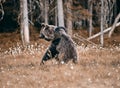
x=62, y=47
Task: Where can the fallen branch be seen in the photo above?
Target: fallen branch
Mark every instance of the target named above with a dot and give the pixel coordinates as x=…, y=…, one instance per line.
x=80, y=38
x=114, y=25
x=106, y=30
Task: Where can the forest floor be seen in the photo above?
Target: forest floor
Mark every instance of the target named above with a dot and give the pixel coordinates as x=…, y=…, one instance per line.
x=98, y=67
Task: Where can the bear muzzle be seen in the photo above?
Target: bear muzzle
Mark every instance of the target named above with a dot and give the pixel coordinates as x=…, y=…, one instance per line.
x=43, y=37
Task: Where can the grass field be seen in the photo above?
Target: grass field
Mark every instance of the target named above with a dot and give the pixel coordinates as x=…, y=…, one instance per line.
x=97, y=68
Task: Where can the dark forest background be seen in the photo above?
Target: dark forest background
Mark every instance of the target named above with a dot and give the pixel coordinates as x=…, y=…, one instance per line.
x=80, y=13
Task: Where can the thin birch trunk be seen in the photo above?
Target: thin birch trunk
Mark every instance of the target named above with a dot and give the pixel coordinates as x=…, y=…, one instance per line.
x=56, y=17
x=114, y=25
x=46, y=12
x=69, y=17
x=102, y=21
x=90, y=19
x=21, y=21
x=60, y=13
x=24, y=22
x=31, y=18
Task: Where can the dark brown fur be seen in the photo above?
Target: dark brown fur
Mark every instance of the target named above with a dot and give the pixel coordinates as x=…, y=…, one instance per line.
x=62, y=47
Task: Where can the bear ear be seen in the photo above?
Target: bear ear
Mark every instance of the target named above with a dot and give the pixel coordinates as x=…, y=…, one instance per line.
x=47, y=26
x=42, y=25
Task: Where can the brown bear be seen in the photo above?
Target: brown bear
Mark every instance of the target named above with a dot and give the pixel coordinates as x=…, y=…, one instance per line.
x=62, y=47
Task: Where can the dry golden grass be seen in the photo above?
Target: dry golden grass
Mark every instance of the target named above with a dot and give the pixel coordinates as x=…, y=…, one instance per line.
x=97, y=68
x=19, y=66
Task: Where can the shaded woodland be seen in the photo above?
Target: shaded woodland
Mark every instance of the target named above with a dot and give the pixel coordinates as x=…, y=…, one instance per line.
x=91, y=15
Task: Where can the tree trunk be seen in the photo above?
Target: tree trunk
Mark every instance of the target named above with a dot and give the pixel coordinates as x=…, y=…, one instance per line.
x=114, y=25
x=2, y=12
x=69, y=17
x=46, y=12
x=69, y=25
x=111, y=10
x=56, y=17
x=90, y=19
x=60, y=13
x=31, y=13
x=115, y=8
x=24, y=22
x=101, y=26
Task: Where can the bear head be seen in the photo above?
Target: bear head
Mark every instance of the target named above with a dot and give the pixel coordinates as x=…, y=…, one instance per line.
x=47, y=32
x=51, y=32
